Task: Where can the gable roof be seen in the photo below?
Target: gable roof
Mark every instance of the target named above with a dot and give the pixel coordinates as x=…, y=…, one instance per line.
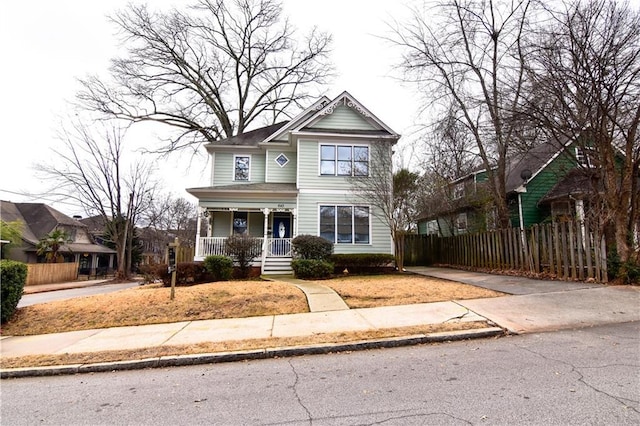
x=534, y=160
x=251, y=138
x=40, y=219
x=349, y=101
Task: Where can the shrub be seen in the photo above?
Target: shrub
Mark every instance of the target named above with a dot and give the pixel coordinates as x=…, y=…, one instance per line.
x=244, y=249
x=363, y=262
x=311, y=247
x=187, y=273
x=13, y=276
x=311, y=268
x=220, y=267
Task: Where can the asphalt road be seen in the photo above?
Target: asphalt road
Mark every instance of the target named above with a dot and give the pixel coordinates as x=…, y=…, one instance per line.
x=587, y=376
x=50, y=296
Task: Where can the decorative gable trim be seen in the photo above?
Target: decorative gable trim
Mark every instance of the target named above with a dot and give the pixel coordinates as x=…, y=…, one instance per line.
x=346, y=99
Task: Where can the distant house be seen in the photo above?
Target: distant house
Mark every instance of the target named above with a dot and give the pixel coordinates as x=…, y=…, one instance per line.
x=547, y=183
x=293, y=178
x=39, y=220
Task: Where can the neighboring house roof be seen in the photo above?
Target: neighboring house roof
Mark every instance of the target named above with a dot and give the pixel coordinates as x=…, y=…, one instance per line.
x=577, y=183
x=40, y=219
x=533, y=160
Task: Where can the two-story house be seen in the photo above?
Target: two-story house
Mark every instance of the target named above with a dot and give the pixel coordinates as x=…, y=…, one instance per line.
x=295, y=178
x=547, y=183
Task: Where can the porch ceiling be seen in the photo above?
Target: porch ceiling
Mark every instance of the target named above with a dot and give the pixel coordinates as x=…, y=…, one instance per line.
x=253, y=190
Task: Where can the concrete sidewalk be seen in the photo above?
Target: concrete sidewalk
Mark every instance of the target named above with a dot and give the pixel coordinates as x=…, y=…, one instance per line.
x=534, y=305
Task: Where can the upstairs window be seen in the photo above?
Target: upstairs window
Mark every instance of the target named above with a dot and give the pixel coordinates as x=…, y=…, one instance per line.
x=585, y=157
x=344, y=160
x=458, y=191
x=241, y=167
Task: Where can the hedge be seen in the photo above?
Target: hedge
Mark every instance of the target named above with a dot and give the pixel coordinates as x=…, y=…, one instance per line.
x=363, y=262
x=13, y=276
x=311, y=268
x=311, y=247
x=220, y=267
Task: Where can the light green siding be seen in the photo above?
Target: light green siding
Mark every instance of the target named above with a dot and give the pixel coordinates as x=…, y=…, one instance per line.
x=223, y=168
x=221, y=224
x=256, y=224
x=285, y=174
x=343, y=117
x=309, y=166
x=308, y=214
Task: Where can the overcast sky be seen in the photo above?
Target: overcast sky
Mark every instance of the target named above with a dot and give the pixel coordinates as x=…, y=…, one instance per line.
x=48, y=44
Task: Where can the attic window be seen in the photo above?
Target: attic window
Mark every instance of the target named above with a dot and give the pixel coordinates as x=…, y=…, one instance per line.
x=282, y=160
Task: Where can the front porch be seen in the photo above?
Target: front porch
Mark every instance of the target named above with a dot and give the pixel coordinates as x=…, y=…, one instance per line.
x=272, y=252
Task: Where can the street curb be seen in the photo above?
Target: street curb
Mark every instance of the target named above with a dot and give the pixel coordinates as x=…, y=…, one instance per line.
x=278, y=352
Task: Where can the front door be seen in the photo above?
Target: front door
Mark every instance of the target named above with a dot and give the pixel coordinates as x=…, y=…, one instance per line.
x=281, y=245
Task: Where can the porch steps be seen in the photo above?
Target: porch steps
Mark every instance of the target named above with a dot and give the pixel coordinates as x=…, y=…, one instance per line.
x=277, y=266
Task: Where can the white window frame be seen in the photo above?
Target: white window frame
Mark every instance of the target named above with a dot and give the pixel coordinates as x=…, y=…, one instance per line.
x=462, y=218
x=584, y=157
x=278, y=156
x=458, y=190
x=335, y=159
x=233, y=168
x=353, y=225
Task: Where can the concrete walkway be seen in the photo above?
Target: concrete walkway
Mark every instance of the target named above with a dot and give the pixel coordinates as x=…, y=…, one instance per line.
x=320, y=298
x=533, y=306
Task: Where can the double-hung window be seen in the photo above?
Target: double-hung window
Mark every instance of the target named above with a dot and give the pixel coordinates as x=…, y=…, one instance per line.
x=344, y=160
x=241, y=167
x=345, y=224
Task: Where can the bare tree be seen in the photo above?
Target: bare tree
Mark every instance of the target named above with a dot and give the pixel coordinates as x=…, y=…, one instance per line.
x=393, y=196
x=172, y=217
x=469, y=53
x=584, y=74
x=90, y=169
x=209, y=73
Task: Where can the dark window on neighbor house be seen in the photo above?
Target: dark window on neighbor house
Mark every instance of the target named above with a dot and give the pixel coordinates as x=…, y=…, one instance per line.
x=461, y=223
x=345, y=224
x=240, y=222
x=241, y=167
x=344, y=160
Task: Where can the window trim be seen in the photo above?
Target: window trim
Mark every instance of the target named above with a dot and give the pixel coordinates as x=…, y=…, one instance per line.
x=353, y=241
x=233, y=168
x=584, y=156
x=460, y=230
x=336, y=160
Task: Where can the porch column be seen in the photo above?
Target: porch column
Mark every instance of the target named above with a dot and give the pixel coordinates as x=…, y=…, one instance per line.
x=266, y=212
x=294, y=223
x=201, y=212
x=94, y=263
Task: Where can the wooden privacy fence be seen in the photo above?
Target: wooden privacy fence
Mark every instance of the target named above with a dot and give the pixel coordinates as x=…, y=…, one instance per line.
x=567, y=250
x=48, y=273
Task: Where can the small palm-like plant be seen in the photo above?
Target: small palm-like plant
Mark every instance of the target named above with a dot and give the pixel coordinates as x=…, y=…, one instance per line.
x=50, y=245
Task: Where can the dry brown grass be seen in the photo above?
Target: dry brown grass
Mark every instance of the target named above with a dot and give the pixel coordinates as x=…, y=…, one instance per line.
x=152, y=305
x=239, y=345
x=402, y=289
x=233, y=299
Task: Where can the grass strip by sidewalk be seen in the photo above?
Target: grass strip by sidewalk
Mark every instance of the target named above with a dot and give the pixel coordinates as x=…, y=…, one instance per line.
x=228, y=346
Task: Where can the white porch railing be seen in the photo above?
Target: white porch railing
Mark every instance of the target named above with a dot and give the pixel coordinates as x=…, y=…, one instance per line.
x=210, y=246
x=278, y=247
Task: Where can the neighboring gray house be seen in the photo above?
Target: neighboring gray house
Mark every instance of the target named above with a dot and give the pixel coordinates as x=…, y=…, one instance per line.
x=39, y=220
x=293, y=178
